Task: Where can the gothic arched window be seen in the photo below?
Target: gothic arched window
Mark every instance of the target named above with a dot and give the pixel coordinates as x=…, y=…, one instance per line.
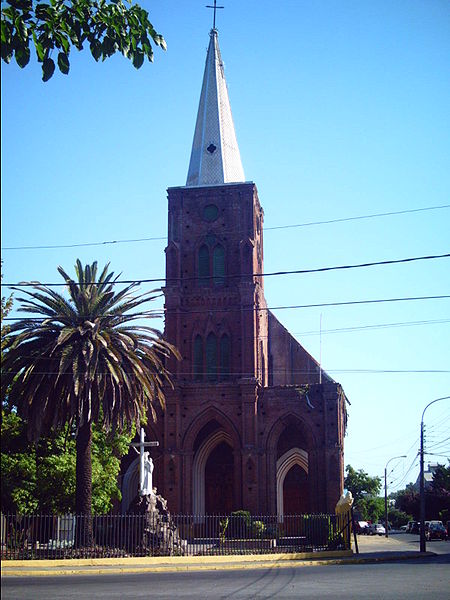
x=219, y=265
x=211, y=357
x=225, y=356
x=203, y=265
x=198, y=358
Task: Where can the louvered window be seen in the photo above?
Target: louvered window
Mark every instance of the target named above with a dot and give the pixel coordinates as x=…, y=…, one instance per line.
x=198, y=358
x=211, y=357
x=203, y=265
x=225, y=355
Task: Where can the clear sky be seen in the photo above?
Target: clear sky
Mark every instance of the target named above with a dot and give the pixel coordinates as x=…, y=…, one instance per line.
x=341, y=109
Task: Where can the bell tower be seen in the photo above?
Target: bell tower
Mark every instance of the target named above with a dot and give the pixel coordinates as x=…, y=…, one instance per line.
x=215, y=307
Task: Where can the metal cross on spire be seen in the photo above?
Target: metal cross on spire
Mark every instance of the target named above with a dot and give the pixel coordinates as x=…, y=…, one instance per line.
x=215, y=7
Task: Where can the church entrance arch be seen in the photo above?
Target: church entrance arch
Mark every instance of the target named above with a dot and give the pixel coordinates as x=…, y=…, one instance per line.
x=219, y=471
x=213, y=475
x=292, y=483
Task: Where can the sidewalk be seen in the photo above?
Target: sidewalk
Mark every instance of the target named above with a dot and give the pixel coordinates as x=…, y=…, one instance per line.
x=372, y=549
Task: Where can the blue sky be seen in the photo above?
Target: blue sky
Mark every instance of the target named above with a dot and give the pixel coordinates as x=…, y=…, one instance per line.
x=341, y=110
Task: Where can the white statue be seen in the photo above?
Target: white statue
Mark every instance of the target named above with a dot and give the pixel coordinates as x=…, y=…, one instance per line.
x=147, y=480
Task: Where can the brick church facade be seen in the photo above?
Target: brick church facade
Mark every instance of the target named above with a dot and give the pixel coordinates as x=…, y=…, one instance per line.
x=252, y=422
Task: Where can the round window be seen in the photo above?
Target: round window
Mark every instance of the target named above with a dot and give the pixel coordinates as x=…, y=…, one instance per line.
x=210, y=212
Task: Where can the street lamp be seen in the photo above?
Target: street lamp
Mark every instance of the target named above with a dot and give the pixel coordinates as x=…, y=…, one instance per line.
x=422, y=480
x=385, y=493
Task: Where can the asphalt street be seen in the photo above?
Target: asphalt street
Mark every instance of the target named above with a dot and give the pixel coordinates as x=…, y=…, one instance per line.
x=411, y=580
x=403, y=541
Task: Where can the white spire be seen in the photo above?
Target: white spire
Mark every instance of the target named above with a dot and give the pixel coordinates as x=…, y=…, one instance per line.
x=215, y=157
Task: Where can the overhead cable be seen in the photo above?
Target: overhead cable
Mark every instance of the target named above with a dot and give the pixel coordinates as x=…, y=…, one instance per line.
x=240, y=275
x=308, y=224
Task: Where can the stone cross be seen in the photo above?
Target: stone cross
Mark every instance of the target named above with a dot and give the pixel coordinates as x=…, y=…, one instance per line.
x=145, y=464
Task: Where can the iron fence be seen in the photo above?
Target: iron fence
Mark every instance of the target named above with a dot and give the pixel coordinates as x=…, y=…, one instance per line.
x=64, y=536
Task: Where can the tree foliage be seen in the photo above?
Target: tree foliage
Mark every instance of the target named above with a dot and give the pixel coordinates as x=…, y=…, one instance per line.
x=84, y=360
x=371, y=508
x=359, y=483
x=397, y=518
x=408, y=500
x=41, y=476
x=441, y=480
x=54, y=28
x=437, y=496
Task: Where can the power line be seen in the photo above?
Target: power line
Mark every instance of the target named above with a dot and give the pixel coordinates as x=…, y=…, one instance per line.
x=343, y=219
x=413, y=464
x=276, y=227
x=245, y=276
x=310, y=333
x=179, y=374
x=267, y=308
x=371, y=327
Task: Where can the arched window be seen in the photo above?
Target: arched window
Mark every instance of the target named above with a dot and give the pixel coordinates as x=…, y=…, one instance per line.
x=198, y=358
x=211, y=357
x=203, y=265
x=219, y=265
x=225, y=357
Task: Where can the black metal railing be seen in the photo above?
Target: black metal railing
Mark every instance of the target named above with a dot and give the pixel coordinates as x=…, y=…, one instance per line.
x=65, y=536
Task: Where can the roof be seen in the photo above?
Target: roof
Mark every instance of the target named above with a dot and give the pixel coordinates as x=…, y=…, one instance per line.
x=215, y=157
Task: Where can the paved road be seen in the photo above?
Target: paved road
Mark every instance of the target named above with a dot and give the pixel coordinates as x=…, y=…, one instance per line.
x=404, y=580
x=403, y=541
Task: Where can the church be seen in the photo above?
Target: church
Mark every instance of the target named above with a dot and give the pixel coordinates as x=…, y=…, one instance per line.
x=252, y=421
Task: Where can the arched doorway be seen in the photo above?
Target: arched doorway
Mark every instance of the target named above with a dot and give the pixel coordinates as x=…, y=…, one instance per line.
x=213, y=472
x=219, y=471
x=295, y=491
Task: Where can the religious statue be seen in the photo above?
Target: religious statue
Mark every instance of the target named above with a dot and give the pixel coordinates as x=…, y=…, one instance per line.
x=147, y=480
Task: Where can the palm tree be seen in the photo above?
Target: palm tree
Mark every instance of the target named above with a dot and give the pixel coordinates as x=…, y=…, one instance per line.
x=83, y=360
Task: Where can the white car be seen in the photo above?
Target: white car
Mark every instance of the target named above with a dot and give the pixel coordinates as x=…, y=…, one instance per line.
x=377, y=529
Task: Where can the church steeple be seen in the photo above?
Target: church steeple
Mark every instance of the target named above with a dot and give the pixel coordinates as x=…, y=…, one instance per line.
x=215, y=157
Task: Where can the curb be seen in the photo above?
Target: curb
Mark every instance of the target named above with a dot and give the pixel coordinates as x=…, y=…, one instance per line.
x=237, y=563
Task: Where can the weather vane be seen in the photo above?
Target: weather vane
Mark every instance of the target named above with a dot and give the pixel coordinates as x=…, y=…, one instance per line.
x=215, y=7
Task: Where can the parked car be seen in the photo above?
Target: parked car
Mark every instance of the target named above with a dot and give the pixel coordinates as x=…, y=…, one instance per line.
x=377, y=529
x=435, y=530
x=362, y=527
x=413, y=527
x=404, y=527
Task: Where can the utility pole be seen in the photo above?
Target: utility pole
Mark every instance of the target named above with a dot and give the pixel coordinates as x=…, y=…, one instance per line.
x=386, y=523
x=423, y=547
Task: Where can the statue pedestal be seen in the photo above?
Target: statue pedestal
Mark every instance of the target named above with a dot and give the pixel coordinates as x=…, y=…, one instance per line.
x=159, y=536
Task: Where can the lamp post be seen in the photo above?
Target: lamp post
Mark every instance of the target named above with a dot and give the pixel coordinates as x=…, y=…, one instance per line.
x=385, y=494
x=422, y=480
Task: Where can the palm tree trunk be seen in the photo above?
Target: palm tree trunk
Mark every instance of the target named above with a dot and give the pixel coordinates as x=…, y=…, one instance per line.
x=83, y=491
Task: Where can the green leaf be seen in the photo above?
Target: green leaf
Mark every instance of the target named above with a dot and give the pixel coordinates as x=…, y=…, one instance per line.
x=22, y=56
x=6, y=54
x=65, y=43
x=39, y=48
x=96, y=49
x=6, y=32
x=21, y=28
x=63, y=63
x=48, y=68
x=138, y=59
